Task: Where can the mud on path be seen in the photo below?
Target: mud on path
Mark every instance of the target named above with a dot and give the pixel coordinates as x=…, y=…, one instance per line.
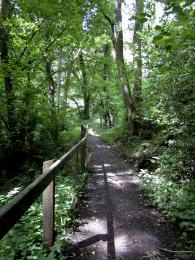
x=114, y=222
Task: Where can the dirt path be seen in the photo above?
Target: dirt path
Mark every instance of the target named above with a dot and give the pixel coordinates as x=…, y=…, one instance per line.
x=114, y=222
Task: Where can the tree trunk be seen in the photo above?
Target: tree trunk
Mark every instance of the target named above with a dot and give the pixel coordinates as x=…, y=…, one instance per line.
x=137, y=59
x=59, y=78
x=4, y=9
x=8, y=84
x=66, y=87
x=122, y=74
x=107, y=54
x=108, y=117
x=85, y=90
x=51, y=83
x=51, y=99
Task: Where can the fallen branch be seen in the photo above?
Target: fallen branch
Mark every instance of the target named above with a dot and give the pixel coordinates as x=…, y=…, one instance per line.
x=172, y=251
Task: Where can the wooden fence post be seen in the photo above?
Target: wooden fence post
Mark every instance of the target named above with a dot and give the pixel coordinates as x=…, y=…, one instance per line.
x=83, y=148
x=48, y=210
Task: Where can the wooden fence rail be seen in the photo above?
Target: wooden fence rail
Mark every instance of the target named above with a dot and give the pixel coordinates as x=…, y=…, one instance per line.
x=45, y=183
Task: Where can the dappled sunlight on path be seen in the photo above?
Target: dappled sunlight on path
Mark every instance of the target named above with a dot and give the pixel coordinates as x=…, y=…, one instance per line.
x=114, y=222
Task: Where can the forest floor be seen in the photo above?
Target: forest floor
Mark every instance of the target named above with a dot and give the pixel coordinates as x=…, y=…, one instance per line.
x=114, y=220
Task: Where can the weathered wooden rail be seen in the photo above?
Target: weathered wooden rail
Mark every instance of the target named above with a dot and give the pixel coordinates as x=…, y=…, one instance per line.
x=45, y=183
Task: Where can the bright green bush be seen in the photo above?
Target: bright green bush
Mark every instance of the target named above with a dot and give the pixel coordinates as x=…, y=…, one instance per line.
x=111, y=135
x=171, y=186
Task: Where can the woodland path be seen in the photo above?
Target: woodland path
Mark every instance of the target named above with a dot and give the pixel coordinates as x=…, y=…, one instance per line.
x=114, y=222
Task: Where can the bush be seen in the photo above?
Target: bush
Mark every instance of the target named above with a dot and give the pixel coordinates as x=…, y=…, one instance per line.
x=24, y=240
x=111, y=135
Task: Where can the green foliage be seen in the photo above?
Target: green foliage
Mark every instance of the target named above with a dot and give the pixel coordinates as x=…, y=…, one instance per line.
x=168, y=97
x=168, y=87
x=31, y=110
x=175, y=200
x=111, y=135
x=165, y=170
x=42, y=106
x=24, y=240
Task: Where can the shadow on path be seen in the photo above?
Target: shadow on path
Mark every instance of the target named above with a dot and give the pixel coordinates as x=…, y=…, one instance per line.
x=110, y=228
x=114, y=223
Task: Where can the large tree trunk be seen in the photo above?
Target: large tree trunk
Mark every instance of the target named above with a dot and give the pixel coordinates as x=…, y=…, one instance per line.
x=51, y=99
x=105, y=101
x=51, y=83
x=122, y=74
x=107, y=54
x=8, y=84
x=137, y=59
x=85, y=90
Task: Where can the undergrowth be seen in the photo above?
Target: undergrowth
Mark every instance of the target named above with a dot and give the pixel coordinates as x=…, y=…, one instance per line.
x=164, y=166
x=111, y=135
x=24, y=240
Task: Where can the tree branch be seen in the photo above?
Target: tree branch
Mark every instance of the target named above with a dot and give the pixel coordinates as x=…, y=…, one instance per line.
x=172, y=251
x=32, y=35
x=110, y=22
x=77, y=104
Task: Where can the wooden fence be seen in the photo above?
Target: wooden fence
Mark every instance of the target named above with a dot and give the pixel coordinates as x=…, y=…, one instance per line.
x=45, y=183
